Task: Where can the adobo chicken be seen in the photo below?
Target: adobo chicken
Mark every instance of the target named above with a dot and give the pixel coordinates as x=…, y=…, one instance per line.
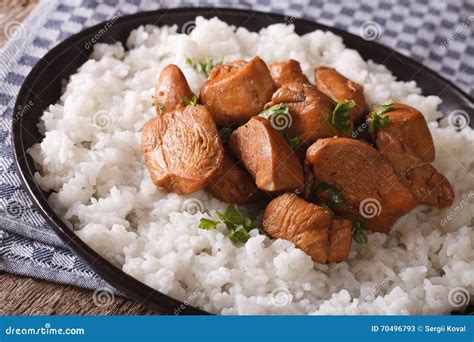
x=267, y=156
x=310, y=111
x=171, y=89
x=339, y=88
x=359, y=174
x=407, y=144
x=233, y=184
x=286, y=72
x=325, y=188
x=237, y=91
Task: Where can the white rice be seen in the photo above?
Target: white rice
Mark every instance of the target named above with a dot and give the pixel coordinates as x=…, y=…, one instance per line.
x=91, y=158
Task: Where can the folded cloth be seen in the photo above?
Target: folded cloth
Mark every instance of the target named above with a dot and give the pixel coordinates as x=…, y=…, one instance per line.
x=435, y=33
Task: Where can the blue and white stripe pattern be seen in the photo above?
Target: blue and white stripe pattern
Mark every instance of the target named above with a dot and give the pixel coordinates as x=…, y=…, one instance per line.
x=436, y=33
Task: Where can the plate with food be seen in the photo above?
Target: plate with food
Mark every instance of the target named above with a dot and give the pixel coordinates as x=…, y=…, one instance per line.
x=203, y=163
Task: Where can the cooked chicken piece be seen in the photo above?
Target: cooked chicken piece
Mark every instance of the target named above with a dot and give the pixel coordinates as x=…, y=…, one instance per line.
x=340, y=240
x=233, y=184
x=424, y=181
x=305, y=224
x=171, y=89
x=409, y=126
x=309, y=181
x=237, y=91
x=287, y=71
x=309, y=110
x=182, y=149
x=267, y=156
x=339, y=88
x=365, y=180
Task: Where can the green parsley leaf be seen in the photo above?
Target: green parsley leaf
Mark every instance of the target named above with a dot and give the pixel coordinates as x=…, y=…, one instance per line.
x=238, y=225
x=278, y=109
x=340, y=118
x=294, y=142
x=203, y=67
x=358, y=232
x=376, y=119
x=336, y=196
x=207, y=224
x=161, y=107
x=191, y=101
x=239, y=235
x=225, y=133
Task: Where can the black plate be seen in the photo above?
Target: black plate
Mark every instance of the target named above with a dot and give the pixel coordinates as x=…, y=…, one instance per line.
x=45, y=78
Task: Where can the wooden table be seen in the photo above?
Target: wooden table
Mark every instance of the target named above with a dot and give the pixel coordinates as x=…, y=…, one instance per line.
x=27, y=296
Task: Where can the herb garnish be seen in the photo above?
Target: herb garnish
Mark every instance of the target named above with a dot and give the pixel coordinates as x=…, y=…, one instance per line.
x=340, y=118
x=336, y=196
x=276, y=110
x=238, y=226
x=161, y=106
x=376, y=120
x=191, y=101
x=207, y=224
x=294, y=142
x=358, y=232
x=203, y=67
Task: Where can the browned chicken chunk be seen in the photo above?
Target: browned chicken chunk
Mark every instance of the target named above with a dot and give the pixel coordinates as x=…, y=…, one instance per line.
x=409, y=126
x=364, y=179
x=309, y=110
x=237, y=91
x=233, y=184
x=267, y=156
x=339, y=88
x=287, y=71
x=340, y=240
x=171, y=89
x=182, y=149
x=424, y=181
x=305, y=224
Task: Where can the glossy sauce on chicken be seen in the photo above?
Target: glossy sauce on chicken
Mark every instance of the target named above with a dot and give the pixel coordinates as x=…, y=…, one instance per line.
x=361, y=175
x=340, y=88
x=267, y=156
x=236, y=91
x=325, y=186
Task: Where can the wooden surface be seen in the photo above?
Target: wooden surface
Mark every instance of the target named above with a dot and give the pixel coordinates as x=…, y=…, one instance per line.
x=27, y=296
